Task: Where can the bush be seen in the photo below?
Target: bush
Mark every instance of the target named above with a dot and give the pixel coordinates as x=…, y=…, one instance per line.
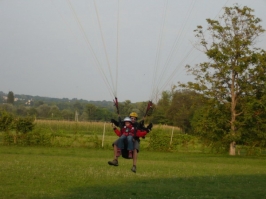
x=159, y=140
x=6, y=121
x=162, y=140
x=20, y=125
x=24, y=125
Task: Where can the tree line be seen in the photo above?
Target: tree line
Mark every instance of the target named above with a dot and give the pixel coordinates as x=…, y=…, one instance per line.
x=69, y=109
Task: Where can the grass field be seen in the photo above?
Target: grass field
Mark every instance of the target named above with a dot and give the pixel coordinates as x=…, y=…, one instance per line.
x=47, y=172
x=88, y=135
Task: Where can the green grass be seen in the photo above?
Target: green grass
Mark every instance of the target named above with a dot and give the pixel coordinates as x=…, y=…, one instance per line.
x=39, y=172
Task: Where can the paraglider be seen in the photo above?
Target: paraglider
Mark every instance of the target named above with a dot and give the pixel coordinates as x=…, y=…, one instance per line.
x=111, y=81
x=161, y=72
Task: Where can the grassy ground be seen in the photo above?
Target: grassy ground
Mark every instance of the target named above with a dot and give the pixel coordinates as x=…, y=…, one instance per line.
x=38, y=172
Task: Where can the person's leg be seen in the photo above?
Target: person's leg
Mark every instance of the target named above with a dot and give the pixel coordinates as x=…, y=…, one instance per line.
x=120, y=143
x=114, y=162
x=136, y=150
x=115, y=152
x=130, y=146
x=135, y=155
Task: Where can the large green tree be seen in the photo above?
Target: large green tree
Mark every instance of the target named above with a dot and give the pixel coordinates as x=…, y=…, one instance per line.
x=182, y=107
x=233, y=63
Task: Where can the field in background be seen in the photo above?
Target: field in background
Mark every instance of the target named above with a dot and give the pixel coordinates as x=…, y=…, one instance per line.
x=89, y=134
x=87, y=128
x=52, y=172
x=100, y=135
x=78, y=134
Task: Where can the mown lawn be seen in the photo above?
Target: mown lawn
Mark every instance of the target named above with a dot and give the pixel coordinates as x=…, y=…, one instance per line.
x=39, y=172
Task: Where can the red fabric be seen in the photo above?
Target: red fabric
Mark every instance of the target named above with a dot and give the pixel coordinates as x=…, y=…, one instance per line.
x=139, y=133
x=127, y=130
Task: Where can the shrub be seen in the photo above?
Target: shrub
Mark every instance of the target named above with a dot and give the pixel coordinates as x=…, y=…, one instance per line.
x=6, y=121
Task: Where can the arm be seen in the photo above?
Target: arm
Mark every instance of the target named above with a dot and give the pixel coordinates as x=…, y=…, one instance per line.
x=117, y=132
x=140, y=124
x=141, y=133
x=144, y=131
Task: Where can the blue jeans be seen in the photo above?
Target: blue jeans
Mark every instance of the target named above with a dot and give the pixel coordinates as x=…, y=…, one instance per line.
x=129, y=138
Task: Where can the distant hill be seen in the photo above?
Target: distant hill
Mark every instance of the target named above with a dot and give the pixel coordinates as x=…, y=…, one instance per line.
x=21, y=99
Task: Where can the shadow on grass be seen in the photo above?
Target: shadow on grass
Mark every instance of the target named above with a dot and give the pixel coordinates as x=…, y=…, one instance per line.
x=233, y=186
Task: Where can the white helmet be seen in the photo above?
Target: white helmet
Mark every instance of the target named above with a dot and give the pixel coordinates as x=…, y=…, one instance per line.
x=127, y=119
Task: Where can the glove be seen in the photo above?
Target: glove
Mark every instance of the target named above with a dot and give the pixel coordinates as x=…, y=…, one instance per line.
x=141, y=124
x=149, y=127
x=116, y=123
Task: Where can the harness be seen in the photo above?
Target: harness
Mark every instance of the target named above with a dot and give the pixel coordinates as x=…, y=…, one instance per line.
x=128, y=131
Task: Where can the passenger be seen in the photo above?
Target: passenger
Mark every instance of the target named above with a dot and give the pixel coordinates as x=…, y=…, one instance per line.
x=127, y=132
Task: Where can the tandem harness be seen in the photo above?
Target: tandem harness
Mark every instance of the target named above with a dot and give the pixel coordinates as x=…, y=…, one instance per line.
x=124, y=152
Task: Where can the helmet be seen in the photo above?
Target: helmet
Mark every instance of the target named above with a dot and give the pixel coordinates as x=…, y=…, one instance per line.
x=133, y=114
x=127, y=119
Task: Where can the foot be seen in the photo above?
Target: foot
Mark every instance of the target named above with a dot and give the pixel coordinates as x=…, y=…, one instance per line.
x=134, y=169
x=113, y=162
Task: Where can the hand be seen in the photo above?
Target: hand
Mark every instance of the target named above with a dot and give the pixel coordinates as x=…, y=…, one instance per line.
x=113, y=121
x=149, y=127
x=141, y=124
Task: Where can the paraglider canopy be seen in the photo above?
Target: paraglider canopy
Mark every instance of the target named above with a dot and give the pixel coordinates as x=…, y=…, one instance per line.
x=145, y=60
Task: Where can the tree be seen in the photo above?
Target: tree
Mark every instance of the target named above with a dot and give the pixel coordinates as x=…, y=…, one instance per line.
x=8, y=108
x=125, y=108
x=140, y=109
x=67, y=114
x=21, y=110
x=43, y=111
x=103, y=114
x=54, y=112
x=253, y=126
x=160, y=112
x=210, y=123
x=10, y=97
x=183, y=105
x=32, y=111
x=234, y=63
x=91, y=111
x=84, y=116
x=78, y=107
x=38, y=103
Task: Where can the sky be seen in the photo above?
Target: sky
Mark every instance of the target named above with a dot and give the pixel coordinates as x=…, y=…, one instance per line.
x=98, y=49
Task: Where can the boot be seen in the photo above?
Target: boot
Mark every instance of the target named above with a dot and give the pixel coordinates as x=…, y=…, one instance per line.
x=134, y=169
x=113, y=162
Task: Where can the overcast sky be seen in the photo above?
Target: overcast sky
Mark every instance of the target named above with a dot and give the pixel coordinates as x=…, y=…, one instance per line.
x=95, y=50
